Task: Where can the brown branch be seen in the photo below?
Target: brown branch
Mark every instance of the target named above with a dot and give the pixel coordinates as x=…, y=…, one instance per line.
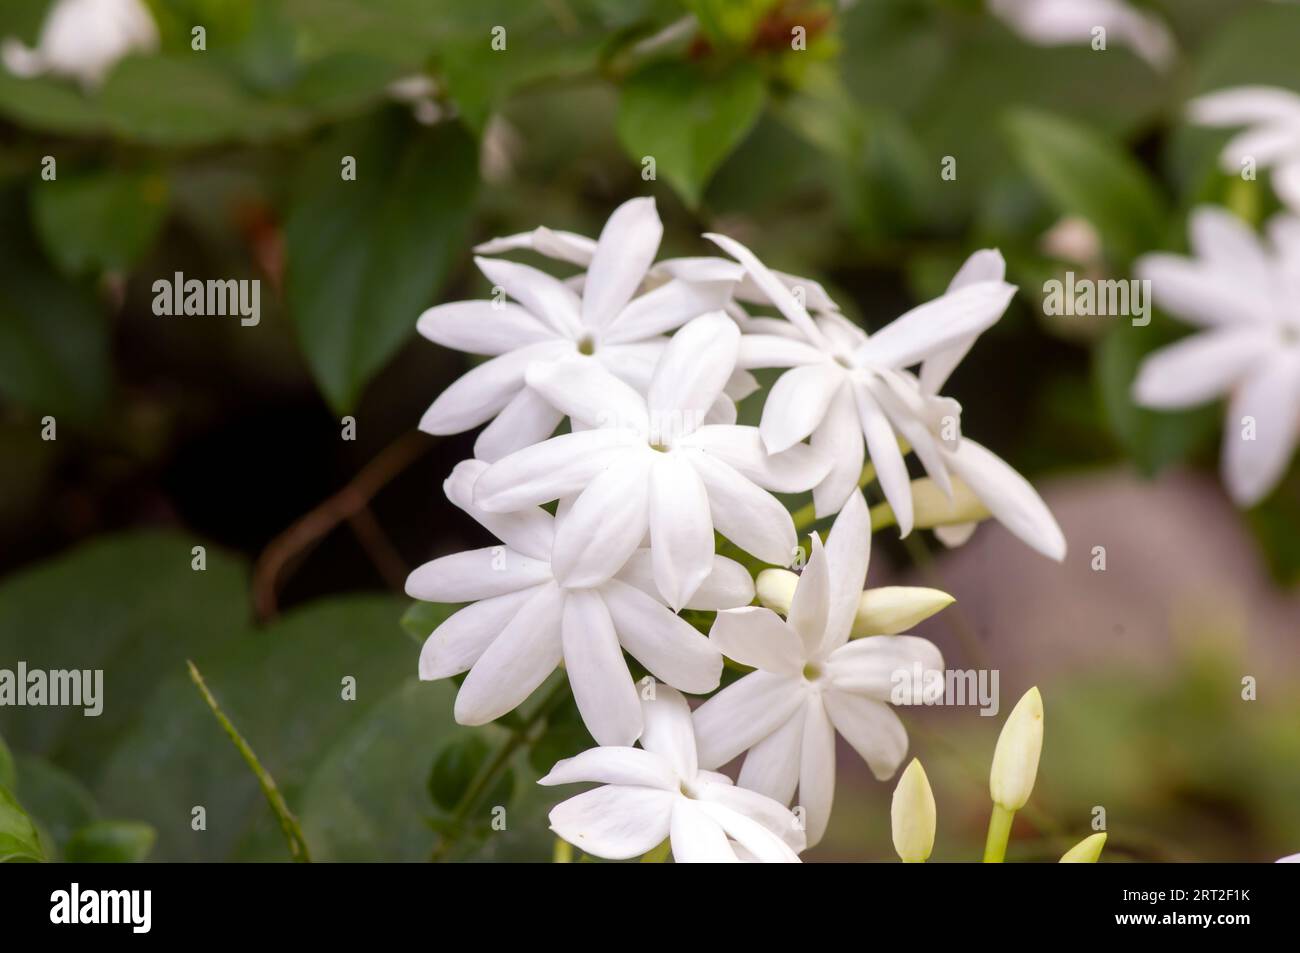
x=306, y=533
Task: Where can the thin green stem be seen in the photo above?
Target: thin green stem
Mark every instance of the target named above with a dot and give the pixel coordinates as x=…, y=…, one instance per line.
x=288, y=822
x=806, y=515
x=562, y=853
x=995, y=846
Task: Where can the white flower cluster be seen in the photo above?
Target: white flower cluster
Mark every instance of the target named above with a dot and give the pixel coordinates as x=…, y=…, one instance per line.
x=651, y=468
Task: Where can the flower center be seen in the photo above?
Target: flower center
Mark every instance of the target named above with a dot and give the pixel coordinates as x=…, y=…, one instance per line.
x=688, y=790
x=586, y=345
x=843, y=362
x=811, y=672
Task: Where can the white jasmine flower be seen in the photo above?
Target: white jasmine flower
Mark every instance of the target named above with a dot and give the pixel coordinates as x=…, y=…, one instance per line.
x=1271, y=139
x=845, y=387
x=812, y=681
x=549, y=321
x=1242, y=291
x=654, y=463
x=420, y=92
x=912, y=815
x=83, y=39
x=522, y=623
x=1052, y=22
x=657, y=792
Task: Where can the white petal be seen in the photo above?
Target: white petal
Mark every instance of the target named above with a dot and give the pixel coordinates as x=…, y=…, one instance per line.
x=872, y=728
x=772, y=766
x=624, y=253
x=527, y=419
x=987, y=264
x=848, y=552
x=697, y=838
x=939, y=324
x=529, y=531
x=747, y=515
x=760, y=843
x=1224, y=240
x=614, y=764
x=517, y=661
x=1009, y=497
x=668, y=646
x=1201, y=367
x=693, y=370
x=543, y=296
x=798, y=403
x=1193, y=292
x=559, y=467
x=632, y=363
x=476, y=574
x=772, y=350
x=771, y=286
x=741, y=384
x=839, y=438
x=681, y=529
x=481, y=392
x=816, y=769
x=602, y=686
x=744, y=713
x=891, y=469
x=810, y=605
x=766, y=811
x=664, y=309
x=583, y=389
x=458, y=642
x=605, y=525
x=482, y=327
x=727, y=586
x=698, y=269
x=1286, y=183
x=874, y=666
x=791, y=471
x=553, y=243
x=669, y=731
x=615, y=822
x=1243, y=105
x=758, y=638
x=1251, y=468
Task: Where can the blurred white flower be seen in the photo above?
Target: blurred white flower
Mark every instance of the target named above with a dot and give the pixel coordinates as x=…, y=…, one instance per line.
x=84, y=40
x=522, y=623
x=420, y=92
x=812, y=681
x=608, y=325
x=657, y=792
x=1052, y=22
x=845, y=387
x=1243, y=291
x=1272, y=139
x=672, y=463
x=1290, y=859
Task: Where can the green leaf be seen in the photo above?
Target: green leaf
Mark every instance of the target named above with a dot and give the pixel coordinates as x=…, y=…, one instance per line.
x=60, y=804
x=365, y=256
x=458, y=764
x=1082, y=173
x=729, y=22
x=53, y=341
x=688, y=118
x=18, y=838
x=103, y=220
x=110, y=842
x=421, y=618
x=8, y=776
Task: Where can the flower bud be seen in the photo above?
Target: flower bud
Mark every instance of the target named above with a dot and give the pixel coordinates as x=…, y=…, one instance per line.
x=931, y=506
x=775, y=588
x=1086, y=851
x=913, y=815
x=890, y=610
x=1015, y=759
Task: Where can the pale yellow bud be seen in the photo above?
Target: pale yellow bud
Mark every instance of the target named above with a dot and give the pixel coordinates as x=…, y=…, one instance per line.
x=775, y=588
x=913, y=815
x=1087, y=851
x=1015, y=759
x=890, y=610
x=932, y=507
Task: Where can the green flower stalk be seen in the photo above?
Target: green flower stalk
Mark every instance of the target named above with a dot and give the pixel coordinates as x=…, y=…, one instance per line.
x=912, y=814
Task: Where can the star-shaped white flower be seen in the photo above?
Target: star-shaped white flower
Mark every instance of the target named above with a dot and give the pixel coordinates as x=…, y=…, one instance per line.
x=1243, y=292
x=654, y=464
x=1272, y=139
x=522, y=623
x=845, y=387
x=812, y=681
x=1052, y=22
x=657, y=792
x=609, y=324
x=83, y=39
